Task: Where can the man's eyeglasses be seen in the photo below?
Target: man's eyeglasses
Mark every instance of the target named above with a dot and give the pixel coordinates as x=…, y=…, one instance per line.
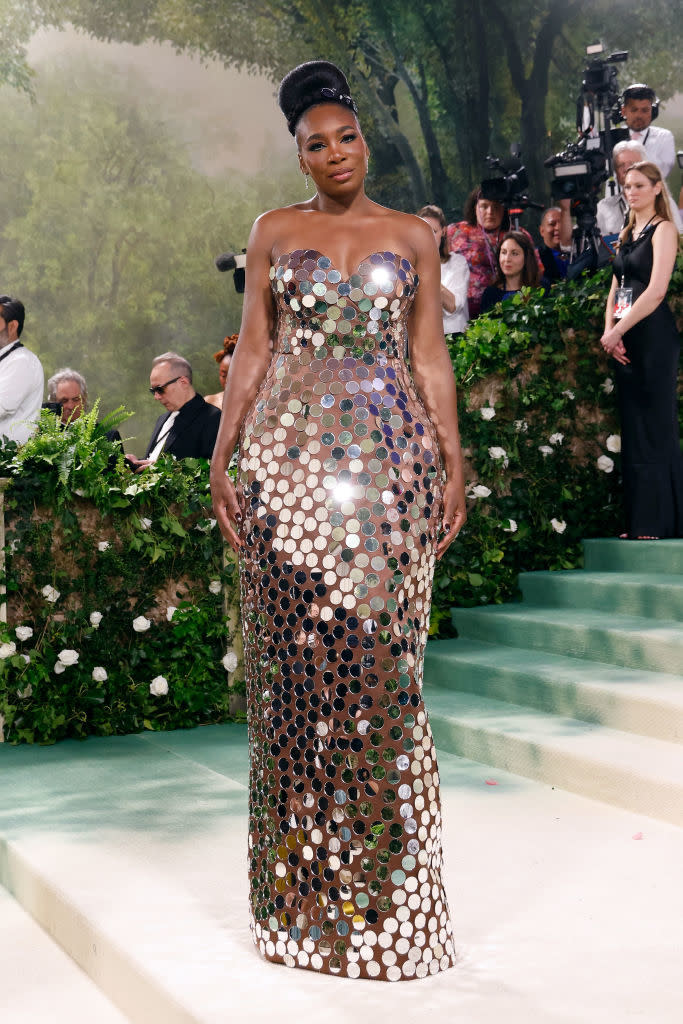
x=158, y=389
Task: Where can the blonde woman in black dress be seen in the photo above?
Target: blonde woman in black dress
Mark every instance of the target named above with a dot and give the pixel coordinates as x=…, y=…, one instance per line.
x=641, y=335
x=350, y=487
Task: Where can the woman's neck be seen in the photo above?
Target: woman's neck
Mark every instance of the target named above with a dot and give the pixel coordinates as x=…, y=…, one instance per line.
x=642, y=218
x=513, y=282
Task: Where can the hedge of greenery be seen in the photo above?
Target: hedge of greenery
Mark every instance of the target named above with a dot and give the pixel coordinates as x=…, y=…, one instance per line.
x=97, y=559
x=121, y=610
x=541, y=434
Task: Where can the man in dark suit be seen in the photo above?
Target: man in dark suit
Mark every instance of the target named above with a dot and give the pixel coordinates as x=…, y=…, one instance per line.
x=189, y=427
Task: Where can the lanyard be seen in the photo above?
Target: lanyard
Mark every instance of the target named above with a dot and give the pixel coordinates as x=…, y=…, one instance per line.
x=490, y=250
x=8, y=351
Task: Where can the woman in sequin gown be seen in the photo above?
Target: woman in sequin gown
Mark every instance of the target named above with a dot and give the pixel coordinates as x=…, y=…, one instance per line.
x=350, y=486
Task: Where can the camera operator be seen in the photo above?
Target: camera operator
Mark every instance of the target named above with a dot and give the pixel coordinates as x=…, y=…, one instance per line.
x=21, y=376
x=639, y=107
x=477, y=238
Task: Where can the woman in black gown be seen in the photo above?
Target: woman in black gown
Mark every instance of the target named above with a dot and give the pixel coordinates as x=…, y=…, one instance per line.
x=640, y=333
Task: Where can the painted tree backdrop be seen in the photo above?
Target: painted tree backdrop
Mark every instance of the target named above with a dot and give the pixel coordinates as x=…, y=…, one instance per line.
x=108, y=227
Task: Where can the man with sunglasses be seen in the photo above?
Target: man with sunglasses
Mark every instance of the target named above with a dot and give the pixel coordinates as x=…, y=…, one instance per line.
x=189, y=427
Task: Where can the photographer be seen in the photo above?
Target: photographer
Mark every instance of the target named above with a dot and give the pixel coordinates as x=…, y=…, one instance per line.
x=477, y=238
x=638, y=112
x=555, y=230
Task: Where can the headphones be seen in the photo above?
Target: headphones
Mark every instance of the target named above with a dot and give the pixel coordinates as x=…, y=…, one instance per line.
x=640, y=91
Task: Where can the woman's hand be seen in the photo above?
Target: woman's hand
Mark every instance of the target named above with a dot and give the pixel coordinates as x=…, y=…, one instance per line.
x=226, y=509
x=454, y=515
x=613, y=344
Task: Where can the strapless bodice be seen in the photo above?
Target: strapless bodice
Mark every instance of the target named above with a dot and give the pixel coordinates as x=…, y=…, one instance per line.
x=319, y=310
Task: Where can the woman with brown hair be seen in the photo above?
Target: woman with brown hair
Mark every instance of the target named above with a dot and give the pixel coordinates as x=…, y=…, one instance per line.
x=223, y=358
x=641, y=335
x=517, y=268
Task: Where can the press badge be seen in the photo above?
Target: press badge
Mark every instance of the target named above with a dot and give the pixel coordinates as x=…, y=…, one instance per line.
x=623, y=301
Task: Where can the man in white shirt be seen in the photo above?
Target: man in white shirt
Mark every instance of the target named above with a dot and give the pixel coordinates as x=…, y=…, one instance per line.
x=659, y=143
x=613, y=210
x=21, y=376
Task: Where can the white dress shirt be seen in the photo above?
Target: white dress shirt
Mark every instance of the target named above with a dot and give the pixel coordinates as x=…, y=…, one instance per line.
x=163, y=437
x=21, y=393
x=455, y=275
x=659, y=145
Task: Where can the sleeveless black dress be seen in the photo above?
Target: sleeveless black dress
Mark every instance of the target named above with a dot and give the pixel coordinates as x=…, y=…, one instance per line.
x=652, y=467
x=341, y=477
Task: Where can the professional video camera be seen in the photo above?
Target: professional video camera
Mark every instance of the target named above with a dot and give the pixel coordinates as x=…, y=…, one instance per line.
x=509, y=188
x=581, y=168
x=233, y=261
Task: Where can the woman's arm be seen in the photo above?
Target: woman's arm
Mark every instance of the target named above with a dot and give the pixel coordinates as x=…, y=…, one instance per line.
x=248, y=367
x=664, y=247
x=435, y=382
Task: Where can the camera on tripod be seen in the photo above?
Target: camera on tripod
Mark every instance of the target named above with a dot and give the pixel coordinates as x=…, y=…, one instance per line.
x=509, y=188
x=581, y=168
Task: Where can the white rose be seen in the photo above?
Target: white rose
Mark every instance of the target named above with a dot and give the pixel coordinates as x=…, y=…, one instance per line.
x=103, y=545
x=556, y=438
x=215, y=586
x=99, y=674
x=230, y=661
x=558, y=525
x=614, y=443
x=59, y=668
x=68, y=656
x=95, y=619
x=480, y=491
x=511, y=527
x=50, y=594
x=170, y=611
x=27, y=658
x=141, y=624
x=145, y=523
x=607, y=385
x=8, y=649
x=159, y=686
x=545, y=449
x=23, y=632
x=569, y=394
x=605, y=464
x=497, y=453
x=488, y=412
x=521, y=426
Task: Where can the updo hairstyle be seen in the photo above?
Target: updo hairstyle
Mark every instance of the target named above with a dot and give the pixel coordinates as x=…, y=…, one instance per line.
x=305, y=86
x=229, y=344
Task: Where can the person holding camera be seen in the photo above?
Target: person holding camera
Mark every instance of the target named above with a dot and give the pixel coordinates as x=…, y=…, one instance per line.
x=477, y=238
x=641, y=335
x=516, y=268
x=639, y=108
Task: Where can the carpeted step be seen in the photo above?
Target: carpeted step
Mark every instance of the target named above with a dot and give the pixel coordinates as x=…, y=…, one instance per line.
x=648, y=703
x=653, y=595
x=631, y=641
x=634, y=772
x=614, y=555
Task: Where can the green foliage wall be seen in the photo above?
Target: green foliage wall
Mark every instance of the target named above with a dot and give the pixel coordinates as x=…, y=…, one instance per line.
x=541, y=441
x=123, y=613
